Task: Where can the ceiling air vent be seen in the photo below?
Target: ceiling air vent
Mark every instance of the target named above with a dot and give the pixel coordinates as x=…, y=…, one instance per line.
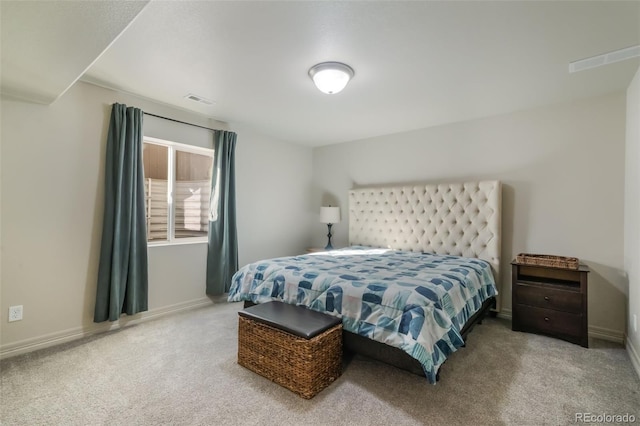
x=198, y=99
x=605, y=59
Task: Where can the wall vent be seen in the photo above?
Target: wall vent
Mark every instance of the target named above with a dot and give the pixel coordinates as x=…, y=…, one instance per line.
x=605, y=59
x=198, y=99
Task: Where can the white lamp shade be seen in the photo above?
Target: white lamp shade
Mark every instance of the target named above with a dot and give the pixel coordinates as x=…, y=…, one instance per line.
x=331, y=77
x=329, y=214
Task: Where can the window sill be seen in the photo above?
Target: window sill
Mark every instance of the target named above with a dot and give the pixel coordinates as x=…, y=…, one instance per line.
x=175, y=243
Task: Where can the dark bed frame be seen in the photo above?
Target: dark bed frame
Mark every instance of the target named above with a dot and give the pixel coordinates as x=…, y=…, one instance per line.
x=356, y=344
x=397, y=357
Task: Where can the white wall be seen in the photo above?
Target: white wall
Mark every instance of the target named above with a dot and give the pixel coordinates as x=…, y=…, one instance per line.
x=273, y=188
x=562, y=169
x=632, y=218
x=52, y=198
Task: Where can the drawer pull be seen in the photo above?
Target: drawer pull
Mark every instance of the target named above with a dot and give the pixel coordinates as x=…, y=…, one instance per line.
x=546, y=298
x=546, y=319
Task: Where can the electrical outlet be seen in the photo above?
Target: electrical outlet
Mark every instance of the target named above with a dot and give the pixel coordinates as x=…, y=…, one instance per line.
x=15, y=313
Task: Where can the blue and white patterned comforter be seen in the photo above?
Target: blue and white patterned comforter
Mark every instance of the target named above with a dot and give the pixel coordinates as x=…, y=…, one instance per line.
x=413, y=301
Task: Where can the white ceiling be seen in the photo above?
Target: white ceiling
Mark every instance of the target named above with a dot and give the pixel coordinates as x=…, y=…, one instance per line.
x=417, y=64
x=48, y=45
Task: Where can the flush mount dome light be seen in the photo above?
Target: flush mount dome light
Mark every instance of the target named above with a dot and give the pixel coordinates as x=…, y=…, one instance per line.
x=331, y=77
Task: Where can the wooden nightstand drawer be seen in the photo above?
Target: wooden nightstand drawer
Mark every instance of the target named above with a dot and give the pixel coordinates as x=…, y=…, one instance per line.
x=548, y=298
x=548, y=321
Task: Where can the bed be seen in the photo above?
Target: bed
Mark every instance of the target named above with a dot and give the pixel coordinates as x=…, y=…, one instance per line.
x=420, y=271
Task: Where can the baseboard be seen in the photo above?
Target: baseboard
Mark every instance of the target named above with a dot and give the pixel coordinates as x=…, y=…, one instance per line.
x=634, y=355
x=594, y=331
x=505, y=313
x=52, y=339
x=606, y=334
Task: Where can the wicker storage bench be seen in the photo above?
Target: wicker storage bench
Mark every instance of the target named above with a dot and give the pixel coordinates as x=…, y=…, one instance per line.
x=295, y=347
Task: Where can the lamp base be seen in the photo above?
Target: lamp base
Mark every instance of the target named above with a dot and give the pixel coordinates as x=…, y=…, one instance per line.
x=329, y=246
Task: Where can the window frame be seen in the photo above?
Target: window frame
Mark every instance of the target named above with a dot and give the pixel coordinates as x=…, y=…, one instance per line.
x=172, y=148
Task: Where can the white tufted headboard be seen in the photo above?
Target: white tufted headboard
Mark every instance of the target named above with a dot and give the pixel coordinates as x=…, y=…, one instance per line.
x=462, y=219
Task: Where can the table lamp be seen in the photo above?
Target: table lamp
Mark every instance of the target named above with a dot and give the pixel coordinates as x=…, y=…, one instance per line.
x=329, y=215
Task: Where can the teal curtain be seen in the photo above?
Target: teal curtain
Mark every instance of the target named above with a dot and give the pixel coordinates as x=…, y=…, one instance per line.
x=222, y=256
x=123, y=273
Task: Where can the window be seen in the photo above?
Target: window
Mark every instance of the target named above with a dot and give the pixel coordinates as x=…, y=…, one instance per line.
x=177, y=188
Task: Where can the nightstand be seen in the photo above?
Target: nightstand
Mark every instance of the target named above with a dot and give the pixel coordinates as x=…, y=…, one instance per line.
x=551, y=301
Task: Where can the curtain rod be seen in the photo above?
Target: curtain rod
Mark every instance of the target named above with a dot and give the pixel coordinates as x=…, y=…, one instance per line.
x=178, y=121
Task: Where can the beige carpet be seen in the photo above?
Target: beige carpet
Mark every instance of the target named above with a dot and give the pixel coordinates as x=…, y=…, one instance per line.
x=182, y=370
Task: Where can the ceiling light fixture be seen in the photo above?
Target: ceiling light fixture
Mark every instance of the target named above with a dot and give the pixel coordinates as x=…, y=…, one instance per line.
x=331, y=77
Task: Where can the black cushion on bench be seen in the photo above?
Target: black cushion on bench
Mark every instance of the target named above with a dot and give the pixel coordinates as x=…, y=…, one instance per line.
x=296, y=320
